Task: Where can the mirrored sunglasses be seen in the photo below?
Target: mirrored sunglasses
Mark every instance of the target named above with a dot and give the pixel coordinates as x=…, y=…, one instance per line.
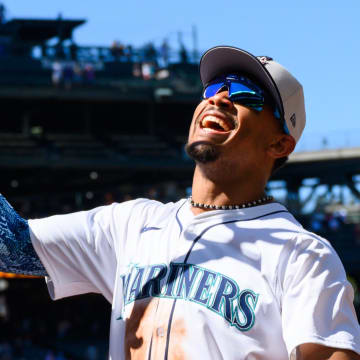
x=243, y=91
x=240, y=89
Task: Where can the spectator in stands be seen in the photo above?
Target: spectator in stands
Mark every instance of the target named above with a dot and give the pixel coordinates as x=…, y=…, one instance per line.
x=129, y=52
x=137, y=72
x=153, y=193
x=89, y=74
x=59, y=51
x=60, y=356
x=91, y=352
x=5, y=351
x=57, y=73
x=50, y=355
x=78, y=74
x=73, y=51
x=357, y=233
x=150, y=53
x=2, y=13
x=170, y=191
x=127, y=197
x=63, y=327
x=121, y=51
x=184, y=59
x=68, y=75
x=113, y=49
x=164, y=52
x=3, y=308
x=333, y=223
x=317, y=222
x=147, y=70
x=117, y=50
x=109, y=198
x=19, y=346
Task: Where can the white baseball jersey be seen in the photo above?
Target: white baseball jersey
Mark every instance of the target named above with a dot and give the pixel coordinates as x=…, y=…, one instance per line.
x=225, y=284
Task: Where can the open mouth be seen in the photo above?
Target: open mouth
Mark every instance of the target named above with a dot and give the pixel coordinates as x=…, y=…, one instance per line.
x=215, y=123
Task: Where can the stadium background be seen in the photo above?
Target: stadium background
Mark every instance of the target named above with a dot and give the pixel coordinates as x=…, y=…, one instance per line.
x=84, y=126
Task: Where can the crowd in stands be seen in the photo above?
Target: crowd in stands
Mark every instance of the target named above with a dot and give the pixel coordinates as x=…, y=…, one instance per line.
x=72, y=65
x=333, y=225
x=38, y=328
x=160, y=55
x=321, y=222
x=43, y=206
x=69, y=74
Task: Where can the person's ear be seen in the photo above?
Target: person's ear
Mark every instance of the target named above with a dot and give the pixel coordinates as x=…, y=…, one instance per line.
x=283, y=145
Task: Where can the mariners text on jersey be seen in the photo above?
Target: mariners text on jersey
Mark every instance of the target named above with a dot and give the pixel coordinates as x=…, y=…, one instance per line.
x=190, y=282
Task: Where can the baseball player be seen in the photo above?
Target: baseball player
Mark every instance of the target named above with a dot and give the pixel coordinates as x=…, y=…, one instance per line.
x=226, y=274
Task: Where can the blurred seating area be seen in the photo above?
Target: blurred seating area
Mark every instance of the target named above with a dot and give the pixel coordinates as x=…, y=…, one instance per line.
x=70, y=329
x=41, y=206
x=56, y=147
x=39, y=52
x=27, y=57
x=340, y=229
x=73, y=74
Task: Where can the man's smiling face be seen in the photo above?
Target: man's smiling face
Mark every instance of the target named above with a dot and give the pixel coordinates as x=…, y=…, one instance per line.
x=226, y=134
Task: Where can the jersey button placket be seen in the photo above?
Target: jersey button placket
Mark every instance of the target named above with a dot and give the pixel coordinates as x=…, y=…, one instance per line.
x=160, y=331
x=181, y=244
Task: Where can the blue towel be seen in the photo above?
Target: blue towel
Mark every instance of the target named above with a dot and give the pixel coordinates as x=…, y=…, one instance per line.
x=17, y=254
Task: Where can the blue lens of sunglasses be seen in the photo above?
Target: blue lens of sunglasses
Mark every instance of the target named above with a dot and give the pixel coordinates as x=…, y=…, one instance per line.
x=238, y=91
x=213, y=89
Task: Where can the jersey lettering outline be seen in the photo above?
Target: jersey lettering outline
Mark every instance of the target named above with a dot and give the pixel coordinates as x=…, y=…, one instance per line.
x=194, y=283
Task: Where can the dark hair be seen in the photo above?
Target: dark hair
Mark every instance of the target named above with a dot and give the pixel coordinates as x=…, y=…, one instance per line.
x=278, y=164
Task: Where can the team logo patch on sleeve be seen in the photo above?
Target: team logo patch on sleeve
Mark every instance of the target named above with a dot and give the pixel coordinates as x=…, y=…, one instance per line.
x=216, y=292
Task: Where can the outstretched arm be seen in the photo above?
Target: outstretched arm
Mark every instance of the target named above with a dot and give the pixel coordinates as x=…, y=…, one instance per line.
x=17, y=254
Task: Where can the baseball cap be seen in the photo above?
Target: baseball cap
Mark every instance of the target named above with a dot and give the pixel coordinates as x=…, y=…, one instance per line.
x=284, y=88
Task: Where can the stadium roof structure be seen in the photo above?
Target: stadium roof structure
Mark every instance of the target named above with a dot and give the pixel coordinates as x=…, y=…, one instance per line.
x=332, y=166
x=37, y=31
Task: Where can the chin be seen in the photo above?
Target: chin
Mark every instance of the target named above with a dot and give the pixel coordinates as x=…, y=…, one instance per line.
x=202, y=152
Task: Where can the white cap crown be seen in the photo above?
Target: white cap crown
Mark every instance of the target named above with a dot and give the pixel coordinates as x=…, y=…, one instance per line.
x=292, y=96
x=283, y=87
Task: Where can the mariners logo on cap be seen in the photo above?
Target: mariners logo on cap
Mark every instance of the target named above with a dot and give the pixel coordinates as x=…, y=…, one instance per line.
x=293, y=120
x=265, y=59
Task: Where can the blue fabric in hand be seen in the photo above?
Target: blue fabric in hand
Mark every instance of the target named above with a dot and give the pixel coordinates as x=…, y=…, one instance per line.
x=17, y=254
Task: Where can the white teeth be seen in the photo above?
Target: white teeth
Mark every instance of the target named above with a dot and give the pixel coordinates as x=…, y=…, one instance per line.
x=208, y=119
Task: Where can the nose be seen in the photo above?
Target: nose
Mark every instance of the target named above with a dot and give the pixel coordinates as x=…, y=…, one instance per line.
x=221, y=99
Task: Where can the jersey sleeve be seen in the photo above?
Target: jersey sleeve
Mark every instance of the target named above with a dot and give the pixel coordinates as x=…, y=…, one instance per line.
x=317, y=300
x=80, y=250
